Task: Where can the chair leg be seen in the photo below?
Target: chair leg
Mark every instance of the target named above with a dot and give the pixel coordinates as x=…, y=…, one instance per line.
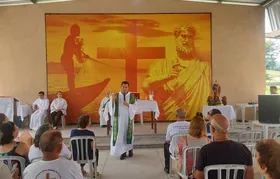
x=95, y=170
x=170, y=166
x=90, y=169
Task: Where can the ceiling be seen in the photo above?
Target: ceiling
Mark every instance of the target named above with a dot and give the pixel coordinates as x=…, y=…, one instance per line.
x=236, y=2
x=25, y=2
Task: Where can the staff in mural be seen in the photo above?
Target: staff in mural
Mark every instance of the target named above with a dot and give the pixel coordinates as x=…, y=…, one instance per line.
x=183, y=81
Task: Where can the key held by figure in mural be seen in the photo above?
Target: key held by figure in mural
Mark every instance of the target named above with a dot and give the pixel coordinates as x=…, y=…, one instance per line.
x=183, y=81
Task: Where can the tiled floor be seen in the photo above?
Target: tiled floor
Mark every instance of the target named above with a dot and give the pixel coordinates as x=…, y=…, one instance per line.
x=146, y=164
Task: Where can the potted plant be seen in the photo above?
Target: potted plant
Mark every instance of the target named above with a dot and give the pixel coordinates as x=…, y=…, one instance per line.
x=224, y=100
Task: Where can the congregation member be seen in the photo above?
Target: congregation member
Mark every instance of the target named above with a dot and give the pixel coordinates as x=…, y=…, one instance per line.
x=3, y=118
x=273, y=90
x=122, y=133
x=58, y=109
x=105, y=100
x=40, y=107
x=5, y=172
x=36, y=153
x=209, y=115
x=51, y=166
x=9, y=147
x=196, y=137
x=223, y=151
x=181, y=126
x=25, y=135
x=84, y=122
x=268, y=158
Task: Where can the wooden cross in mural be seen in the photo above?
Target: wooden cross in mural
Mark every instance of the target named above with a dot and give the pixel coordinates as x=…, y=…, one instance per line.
x=131, y=54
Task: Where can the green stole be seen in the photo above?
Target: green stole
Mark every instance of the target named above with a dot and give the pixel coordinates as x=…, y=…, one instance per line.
x=132, y=100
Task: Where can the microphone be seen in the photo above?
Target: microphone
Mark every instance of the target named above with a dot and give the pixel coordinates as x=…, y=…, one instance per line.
x=124, y=96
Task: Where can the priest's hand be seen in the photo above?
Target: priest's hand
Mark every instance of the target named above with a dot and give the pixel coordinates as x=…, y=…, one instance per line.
x=125, y=103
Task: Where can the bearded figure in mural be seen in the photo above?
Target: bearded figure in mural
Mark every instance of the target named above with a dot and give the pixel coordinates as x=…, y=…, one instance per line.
x=180, y=82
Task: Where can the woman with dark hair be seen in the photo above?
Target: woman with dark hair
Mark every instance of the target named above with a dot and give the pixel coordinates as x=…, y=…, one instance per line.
x=58, y=109
x=3, y=118
x=8, y=146
x=84, y=122
x=35, y=152
x=268, y=158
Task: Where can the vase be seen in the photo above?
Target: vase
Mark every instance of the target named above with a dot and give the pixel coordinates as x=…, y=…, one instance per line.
x=224, y=103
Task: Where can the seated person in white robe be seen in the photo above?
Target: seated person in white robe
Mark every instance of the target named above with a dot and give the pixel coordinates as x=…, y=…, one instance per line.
x=40, y=107
x=102, y=106
x=58, y=109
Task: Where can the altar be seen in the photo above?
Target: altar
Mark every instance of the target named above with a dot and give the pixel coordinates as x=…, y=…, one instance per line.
x=140, y=107
x=226, y=110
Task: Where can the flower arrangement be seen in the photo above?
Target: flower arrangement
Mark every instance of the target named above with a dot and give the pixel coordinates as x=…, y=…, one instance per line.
x=224, y=100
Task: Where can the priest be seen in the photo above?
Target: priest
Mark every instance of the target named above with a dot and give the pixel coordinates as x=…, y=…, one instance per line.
x=102, y=106
x=123, y=123
x=40, y=107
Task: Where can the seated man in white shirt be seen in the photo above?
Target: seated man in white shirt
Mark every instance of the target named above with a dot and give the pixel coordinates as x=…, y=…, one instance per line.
x=52, y=166
x=179, y=127
x=40, y=107
x=35, y=154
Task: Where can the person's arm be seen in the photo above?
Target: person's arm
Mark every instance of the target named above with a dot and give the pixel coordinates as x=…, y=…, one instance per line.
x=198, y=173
x=249, y=173
x=65, y=105
x=53, y=106
x=168, y=137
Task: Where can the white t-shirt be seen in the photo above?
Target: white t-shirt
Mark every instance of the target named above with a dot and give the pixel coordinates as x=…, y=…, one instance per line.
x=35, y=152
x=59, y=168
x=178, y=127
x=5, y=172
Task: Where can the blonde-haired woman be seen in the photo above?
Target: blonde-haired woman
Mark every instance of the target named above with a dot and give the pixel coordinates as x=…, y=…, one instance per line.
x=197, y=136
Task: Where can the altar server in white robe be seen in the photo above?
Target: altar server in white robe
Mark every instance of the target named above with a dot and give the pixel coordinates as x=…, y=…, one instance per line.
x=58, y=109
x=123, y=123
x=104, y=102
x=40, y=107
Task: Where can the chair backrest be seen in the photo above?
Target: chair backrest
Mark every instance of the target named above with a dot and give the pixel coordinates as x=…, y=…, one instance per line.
x=8, y=160
x=275, y=134
x=252, y=148
x=174, y=141
x=187, y=151
x=82, y=144
x=250, y=137
x=228, y=168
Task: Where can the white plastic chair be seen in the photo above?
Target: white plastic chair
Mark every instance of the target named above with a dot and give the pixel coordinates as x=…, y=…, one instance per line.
x=228, y=168
x=250, y=137
x=80, y=155
x=275, y=134
x=8, y=160
x=173, y=145
x=194, y=150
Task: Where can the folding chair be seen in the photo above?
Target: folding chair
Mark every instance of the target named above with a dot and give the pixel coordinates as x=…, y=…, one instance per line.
x=8, y=161
x=173, y=144
x=250, y=137
x=228, y=168
x=194, y=150
x=81, y=157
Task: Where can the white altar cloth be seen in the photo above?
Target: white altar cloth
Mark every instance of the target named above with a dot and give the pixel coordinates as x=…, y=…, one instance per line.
x=227, y=111
x=140, y=107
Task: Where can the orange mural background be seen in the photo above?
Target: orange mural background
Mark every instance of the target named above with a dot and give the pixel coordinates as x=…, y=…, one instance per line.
x=89, y=54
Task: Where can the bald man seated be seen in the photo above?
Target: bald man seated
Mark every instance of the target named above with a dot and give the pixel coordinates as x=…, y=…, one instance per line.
x=51, y=166
x=223, y=151
x=181, y=126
